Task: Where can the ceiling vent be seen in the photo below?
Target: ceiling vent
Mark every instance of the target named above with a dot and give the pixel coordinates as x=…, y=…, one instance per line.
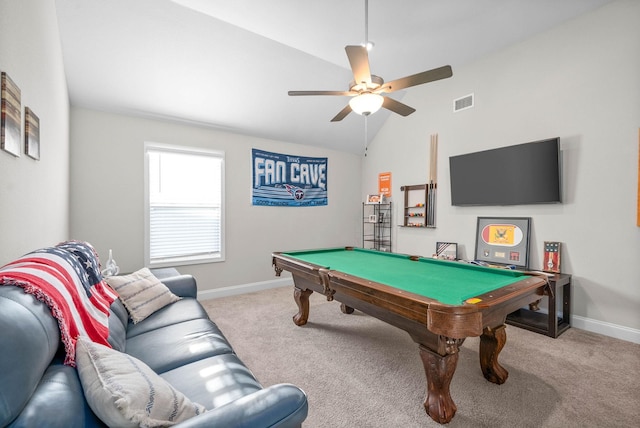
x=463, y=103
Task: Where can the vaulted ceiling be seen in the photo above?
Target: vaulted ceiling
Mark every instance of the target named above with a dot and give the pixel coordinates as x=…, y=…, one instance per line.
x=229, y=64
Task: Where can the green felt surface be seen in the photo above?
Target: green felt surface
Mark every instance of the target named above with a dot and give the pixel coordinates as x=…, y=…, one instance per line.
x=448, y=282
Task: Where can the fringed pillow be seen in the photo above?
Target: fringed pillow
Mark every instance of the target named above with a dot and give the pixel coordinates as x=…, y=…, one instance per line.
x=141, y=293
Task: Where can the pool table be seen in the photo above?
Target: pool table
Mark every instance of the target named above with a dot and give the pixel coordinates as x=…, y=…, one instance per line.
x=439, y=303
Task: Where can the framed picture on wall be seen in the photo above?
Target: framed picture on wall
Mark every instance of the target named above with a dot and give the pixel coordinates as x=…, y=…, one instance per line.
x=10, y=116
x=31, y=134
x=503, y=241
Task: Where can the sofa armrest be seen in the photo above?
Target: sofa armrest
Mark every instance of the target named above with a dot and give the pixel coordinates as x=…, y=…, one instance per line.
x=282, y=406
x=182, y=285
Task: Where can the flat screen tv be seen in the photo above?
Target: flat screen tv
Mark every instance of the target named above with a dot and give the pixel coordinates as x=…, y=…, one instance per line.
x=523, y=174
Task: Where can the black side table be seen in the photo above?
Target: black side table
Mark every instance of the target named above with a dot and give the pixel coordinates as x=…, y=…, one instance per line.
x=549, y=324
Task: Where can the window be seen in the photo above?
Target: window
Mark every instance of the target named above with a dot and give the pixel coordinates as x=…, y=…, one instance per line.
x=184, y=205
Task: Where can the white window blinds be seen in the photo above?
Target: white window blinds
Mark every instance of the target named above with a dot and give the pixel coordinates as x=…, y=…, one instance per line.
x=185, y=205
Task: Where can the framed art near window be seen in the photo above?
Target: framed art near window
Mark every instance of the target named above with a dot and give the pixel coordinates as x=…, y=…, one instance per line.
x=10, y=116
x=31, y=134
x=503, y=241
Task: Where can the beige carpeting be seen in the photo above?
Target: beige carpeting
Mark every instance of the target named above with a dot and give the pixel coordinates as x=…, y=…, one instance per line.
x=360, y=372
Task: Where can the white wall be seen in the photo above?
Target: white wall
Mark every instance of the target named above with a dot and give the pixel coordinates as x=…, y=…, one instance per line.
x=579, y=82
x=107, y=197
x=34, y=195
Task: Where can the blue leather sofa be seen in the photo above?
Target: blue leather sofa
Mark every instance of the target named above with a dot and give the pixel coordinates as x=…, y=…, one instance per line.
x=179, y=342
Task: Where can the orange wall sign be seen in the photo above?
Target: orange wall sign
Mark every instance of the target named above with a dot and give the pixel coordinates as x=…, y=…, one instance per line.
x=384, y=184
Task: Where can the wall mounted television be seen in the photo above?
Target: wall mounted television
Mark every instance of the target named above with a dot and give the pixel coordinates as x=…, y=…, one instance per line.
x=522, y=174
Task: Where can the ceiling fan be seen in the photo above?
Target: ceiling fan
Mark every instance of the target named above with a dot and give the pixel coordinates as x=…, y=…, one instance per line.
x=366, y=89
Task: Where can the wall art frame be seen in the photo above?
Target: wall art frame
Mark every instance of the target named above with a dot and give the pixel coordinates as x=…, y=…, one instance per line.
x=503, y=241
x=31, y=134
x=10, y=116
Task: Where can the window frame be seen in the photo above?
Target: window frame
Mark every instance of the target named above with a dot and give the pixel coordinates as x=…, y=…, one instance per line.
x=181, y=260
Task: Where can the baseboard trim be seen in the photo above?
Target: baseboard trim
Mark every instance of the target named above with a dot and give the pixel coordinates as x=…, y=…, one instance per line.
x=588, y=324
x=244, y=288
x=608, y=329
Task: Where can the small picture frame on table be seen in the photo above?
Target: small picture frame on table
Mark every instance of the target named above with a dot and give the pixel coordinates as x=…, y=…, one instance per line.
x=551, y=257
x=503, y=241
x=374, y=199
x=446, y=251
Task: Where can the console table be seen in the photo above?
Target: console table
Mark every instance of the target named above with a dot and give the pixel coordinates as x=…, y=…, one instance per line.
x=549, y=324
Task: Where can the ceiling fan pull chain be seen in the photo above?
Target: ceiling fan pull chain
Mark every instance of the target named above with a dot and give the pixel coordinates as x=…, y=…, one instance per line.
x=366, y=136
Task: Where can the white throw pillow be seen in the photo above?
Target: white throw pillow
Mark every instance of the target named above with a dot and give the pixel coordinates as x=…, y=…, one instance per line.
x=141, y=293
x=124, y=392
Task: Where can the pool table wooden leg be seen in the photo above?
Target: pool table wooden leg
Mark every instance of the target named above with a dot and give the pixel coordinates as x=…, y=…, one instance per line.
x=491, y=343
x=439, y=370
x=346, y=309
x=302, y=300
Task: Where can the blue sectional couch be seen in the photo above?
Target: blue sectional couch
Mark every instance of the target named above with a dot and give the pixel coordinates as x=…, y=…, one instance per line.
x=179, y=342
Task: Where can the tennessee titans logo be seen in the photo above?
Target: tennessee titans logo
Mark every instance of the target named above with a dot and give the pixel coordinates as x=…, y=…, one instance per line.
x=296, y=192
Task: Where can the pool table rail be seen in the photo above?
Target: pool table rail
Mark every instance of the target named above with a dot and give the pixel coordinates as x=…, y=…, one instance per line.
x=497, y=304
x=454, y=321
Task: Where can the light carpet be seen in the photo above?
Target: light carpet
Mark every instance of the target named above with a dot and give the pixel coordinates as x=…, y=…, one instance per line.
x=359, y=371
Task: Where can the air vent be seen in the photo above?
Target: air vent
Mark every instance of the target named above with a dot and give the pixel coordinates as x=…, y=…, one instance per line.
x=463, y=103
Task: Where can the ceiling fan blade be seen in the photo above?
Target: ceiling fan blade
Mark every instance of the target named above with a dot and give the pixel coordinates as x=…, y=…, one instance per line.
x=343, y=113
x=359, y=61
x=345, y=93
x=417, y=79
x=397, y=106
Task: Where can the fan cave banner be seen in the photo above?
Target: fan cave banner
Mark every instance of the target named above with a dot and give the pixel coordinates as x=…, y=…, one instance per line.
x=288, y=181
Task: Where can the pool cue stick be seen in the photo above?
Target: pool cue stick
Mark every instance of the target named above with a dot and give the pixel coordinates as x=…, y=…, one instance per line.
x=433, y=179
x=427, y=220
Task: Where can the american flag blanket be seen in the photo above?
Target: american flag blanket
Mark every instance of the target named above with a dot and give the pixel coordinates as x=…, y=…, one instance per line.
x=66, y=278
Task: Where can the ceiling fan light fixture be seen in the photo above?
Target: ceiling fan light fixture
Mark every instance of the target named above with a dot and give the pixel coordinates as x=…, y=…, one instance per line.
x=366, y=104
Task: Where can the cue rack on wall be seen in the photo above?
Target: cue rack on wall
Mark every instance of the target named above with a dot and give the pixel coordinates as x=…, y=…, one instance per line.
x=420, y=199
